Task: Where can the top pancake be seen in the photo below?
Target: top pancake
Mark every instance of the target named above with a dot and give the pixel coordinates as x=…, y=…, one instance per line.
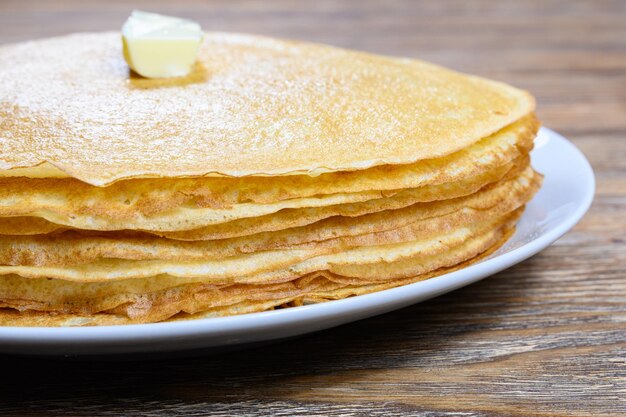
x=252, y=106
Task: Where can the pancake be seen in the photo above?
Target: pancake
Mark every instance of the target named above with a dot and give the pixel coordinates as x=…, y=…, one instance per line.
x=105, y=259
x=287, y=218
x=262, y=106
x=277, y=174
x=424, y=219
x=145, y=301
x=173, y=206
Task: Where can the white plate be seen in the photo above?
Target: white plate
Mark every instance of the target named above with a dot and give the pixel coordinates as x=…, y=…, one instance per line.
x=564, y=198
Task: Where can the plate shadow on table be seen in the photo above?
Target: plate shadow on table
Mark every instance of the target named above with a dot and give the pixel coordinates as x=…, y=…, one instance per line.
x=423, y=335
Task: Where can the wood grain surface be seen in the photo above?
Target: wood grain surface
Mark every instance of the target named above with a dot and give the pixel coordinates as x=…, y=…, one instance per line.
x=545, y=338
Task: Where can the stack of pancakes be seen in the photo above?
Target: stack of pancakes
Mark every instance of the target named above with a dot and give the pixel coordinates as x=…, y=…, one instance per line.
x=277, y=174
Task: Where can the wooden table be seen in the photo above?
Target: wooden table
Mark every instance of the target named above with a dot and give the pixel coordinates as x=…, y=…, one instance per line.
x=547, y=337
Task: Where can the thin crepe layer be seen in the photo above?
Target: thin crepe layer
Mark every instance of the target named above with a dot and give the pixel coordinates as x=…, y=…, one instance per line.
x=286, y=218
x=245, y=219
x=417, y=221
x=206, y=299
x=211, y=260
x=262, y=106
x=133, y=198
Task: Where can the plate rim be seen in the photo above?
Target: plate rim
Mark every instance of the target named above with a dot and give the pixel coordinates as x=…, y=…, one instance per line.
x=136, y=333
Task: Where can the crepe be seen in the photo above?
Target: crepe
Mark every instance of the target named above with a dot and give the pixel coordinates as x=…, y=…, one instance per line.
x=175, y=205
x=276, y=174
x=159, y=299
x=262, y=106
x=421, y=219
x=287, y=218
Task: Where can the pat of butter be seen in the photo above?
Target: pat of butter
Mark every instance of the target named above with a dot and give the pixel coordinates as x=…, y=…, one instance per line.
x=157, y=46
